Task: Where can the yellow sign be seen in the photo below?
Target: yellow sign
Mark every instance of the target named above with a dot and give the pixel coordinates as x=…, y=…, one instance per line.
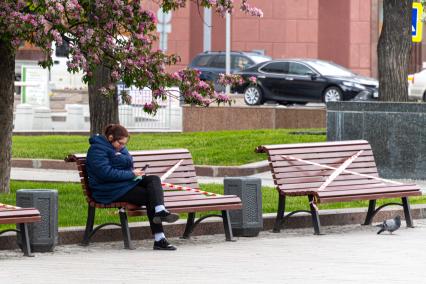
x=416, y=22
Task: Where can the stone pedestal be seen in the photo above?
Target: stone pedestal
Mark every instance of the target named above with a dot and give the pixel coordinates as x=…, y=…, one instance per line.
x=42, y=119
x=396, y=132
x=75, y=117
x=23, y=117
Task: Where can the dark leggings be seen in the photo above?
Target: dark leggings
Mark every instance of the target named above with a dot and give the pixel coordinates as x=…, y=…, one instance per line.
x=147, y=192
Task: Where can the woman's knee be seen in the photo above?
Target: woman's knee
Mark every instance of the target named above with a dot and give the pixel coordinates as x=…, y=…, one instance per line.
x=153, y=179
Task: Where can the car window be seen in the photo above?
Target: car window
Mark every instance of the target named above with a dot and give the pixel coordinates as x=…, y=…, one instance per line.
x=330, y=69
x=201, y=61
x=276, y=67
x=259, y=58
x=240, y=62
x=299, y=69
x=62, y=50
x=218, y=61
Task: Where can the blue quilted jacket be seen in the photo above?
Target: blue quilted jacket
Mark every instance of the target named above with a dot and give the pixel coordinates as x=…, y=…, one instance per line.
x=110, y=172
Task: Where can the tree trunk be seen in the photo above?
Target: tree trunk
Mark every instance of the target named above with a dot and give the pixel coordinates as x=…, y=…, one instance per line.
x=103, y=108
x=394, y=50
x=7, y=79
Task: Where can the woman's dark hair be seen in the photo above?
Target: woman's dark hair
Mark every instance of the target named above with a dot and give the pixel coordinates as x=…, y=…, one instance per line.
x=116, y=131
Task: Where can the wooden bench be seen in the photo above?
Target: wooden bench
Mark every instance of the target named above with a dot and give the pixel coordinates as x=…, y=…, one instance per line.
x=332, y=172
x=176, y=201
x=22, y=216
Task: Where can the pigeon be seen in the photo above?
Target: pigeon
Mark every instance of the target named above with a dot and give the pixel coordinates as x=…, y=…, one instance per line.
x=390, y=225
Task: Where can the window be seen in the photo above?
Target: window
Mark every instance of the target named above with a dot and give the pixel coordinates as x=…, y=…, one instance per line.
x=240, y=62
x=330, y=69
x=202, y=61
x=62, y=50
x=299, y=69
x=276, y=67
x=218, y=61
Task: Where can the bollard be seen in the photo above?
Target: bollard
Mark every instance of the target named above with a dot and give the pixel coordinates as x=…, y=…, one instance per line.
x=23, y=117
x=43, y=235
x=42, y=119
x=248, y=221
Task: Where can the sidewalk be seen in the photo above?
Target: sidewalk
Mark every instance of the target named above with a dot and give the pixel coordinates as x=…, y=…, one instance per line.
x=345, y=254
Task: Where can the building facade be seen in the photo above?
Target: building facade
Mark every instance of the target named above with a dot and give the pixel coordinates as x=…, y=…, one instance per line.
x=343, y=31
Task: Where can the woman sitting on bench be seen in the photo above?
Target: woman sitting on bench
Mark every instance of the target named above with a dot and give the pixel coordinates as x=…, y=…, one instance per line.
x=112, y=178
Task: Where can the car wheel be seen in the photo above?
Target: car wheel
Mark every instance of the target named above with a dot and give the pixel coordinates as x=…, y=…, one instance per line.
x=253, y=96
x=332, y=94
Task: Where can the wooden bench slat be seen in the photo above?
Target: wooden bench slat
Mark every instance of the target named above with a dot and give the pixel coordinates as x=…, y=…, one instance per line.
x=313, y=168
x=333, y=184
x=310, y=144
x=157, y=152
x=20, y=220
x=370, y=196
x=19, y=212
x=321, y=179
x=319, y=155
x=369, y=171
x=320, y=149
x=326, y=161
x=179, y=193
x=205, y=201
x=177, y=174
x=194, y=197
x=203, y=208
x=366, y=190
x=166, y=157
x=166, y=163
x=189, y=180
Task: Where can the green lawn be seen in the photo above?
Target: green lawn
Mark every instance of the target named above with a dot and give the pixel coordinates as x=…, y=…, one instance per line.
x=73, y=207
x=208, y=148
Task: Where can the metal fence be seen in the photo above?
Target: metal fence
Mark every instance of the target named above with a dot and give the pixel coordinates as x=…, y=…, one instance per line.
x=133, y=116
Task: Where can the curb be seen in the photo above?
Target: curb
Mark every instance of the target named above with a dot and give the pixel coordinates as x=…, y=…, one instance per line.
x=140, y=230
x=206, y=171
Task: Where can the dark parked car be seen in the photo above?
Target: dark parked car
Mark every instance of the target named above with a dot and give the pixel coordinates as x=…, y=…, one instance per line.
x=304, y=80
x=212, y=63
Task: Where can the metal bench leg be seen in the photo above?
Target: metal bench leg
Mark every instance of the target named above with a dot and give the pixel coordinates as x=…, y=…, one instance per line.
x=89, y=226
x=370, y=212
x=315, y=215
x=227, y=225
x=125, y=230
x=280, y=214
x=407, y=212
x=25, y=240
x=189, y=226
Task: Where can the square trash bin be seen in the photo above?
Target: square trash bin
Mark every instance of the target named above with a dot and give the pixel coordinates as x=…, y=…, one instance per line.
x=43, y=235
x=248, y=221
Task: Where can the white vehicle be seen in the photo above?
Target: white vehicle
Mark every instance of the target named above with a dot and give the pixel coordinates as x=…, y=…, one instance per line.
x=60, y=78
x=417, y=86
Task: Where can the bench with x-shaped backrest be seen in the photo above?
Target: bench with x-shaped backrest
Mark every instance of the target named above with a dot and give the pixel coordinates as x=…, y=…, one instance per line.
x=10, y=214
x=332, y=172
x=182, y=193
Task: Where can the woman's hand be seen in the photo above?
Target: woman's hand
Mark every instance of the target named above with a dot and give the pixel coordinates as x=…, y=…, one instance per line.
x=138, y=172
